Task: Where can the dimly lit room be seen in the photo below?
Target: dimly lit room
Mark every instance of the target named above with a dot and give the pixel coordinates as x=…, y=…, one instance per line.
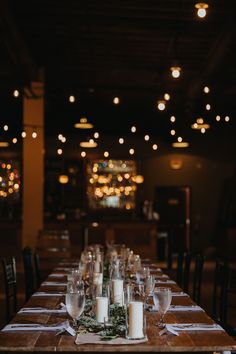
x=118, y=176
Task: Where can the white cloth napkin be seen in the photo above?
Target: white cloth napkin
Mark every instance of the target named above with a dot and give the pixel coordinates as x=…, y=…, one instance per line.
x=41, y=310
x=162, y=276
x=53, y=283
x=174, y=328
x=63, y=326
x=57, y=275
x=92, y=338
x=184, y=308
x=41, y=293
x=179, y=293
x=165, y=282
x=62, y=268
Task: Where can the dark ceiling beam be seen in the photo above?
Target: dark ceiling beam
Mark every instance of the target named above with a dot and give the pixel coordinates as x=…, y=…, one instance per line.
x=216, y=54
x=21, y=60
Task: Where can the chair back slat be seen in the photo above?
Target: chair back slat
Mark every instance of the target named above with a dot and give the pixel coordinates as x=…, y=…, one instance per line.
x=9, y=274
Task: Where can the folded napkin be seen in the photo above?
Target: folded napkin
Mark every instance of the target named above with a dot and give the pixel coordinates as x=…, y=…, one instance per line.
x=42, y=293
x=165, y=281
x=53, y=283
x=92, y=338
x=179, y=293
x=61, y=327
x=161, y=276
x=185, y=308
x=41, y=310
x=176, y=308
x=62, y=268
x=175, y=328
x=57, y=275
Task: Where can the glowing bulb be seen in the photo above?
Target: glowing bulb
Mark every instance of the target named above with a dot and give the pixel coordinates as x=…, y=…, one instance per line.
x=227, y=118
x=60, y=136
x=208, y=107
x=206, y=89
x=146, y=137
x=154, y=146
x=161, y=105
x=201, y=9
x=23, y=134
x=16, y=93
x=121, y=141
x=131, y=151
x=106, y=154
x=217, y=118
x=116, y=100
x=175, y=71
x=71, y=99
x=203, y=130
x=133, y=129
x=200, y=121
x=83, y=153
x=59, y=151
x=96, y=135
x=172, y=119
x=34, y=135
x=167, y=96
x=180, y=139
x=63, y=139
x=172, y=132
x=14, y=140
x=5, y=128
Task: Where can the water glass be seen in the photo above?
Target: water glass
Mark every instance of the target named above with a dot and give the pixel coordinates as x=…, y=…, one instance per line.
x=162, y=300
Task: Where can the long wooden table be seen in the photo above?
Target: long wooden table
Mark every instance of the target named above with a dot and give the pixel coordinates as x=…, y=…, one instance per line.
x=39, y=341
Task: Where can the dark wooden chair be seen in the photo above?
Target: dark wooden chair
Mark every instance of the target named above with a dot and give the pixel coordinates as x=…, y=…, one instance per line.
x=183, y=270
x=197, y=277
x=9, y=274
x=37, y=268
x=28, y=272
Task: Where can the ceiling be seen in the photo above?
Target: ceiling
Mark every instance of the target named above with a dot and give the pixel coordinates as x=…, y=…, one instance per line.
x=96, y=50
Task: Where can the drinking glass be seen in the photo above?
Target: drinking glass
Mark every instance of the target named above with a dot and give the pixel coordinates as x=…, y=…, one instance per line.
x=75, y=302
x=162, y=300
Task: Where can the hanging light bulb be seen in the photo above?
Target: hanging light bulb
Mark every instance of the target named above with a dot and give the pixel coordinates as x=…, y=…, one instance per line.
x=116, y=100
x=167, y=96
x=71, y=99
x=175, y=71
x=201, y=9
x=16, y=93
x=161, y=105
x=34, y=135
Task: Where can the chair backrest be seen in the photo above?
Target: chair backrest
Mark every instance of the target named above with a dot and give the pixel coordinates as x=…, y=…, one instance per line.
x=28, y=272
x=9, y=273
x=197, y=277
x=37, y=269
x=219, y=298
x=183, y=270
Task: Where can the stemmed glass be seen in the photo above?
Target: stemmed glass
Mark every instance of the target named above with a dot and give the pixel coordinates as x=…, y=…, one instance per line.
x=75, y=302
x=162, y=300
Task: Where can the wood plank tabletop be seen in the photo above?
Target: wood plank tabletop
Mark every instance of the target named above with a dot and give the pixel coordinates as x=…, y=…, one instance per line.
x=41, y=341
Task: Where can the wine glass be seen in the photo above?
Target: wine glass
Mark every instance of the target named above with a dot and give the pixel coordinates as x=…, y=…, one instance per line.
x=162, y=300
x=75, y=302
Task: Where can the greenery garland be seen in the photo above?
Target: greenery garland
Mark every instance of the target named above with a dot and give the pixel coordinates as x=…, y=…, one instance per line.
x=115, y=328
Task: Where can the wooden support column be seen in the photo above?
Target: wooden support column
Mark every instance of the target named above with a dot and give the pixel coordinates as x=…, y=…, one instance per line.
x=33, y=164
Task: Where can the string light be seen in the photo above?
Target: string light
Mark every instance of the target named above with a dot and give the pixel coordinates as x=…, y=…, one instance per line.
x=5, y=128
x=14, y=140
x=208, y=107
x=180, y=139
x=217, y=118
x=96, y=135
x=146, y=137
x=131, y=151
x=71, y=99
x=206, y=89
x=172, y=119
x=201, y=9
x=161, y=105
x=227, y=118
x=59, y=151
x=154, y=146
x=203, y=130
x=83, y=153
x=116, y=100
x=106, y=154
x=167, y=96
x=23, y=134
x=175, y=71
x=133, y=129
x=121, y=141
x=172, y=132
x=16, y=93
x=34, y=135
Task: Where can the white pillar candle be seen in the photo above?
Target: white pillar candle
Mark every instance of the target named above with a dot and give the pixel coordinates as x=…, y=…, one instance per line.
x=97, y=278
x=101, y=309
x=117, y=291
x=135, y=320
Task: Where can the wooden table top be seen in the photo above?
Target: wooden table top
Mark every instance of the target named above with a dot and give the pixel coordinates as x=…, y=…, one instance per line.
x=37, y=341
